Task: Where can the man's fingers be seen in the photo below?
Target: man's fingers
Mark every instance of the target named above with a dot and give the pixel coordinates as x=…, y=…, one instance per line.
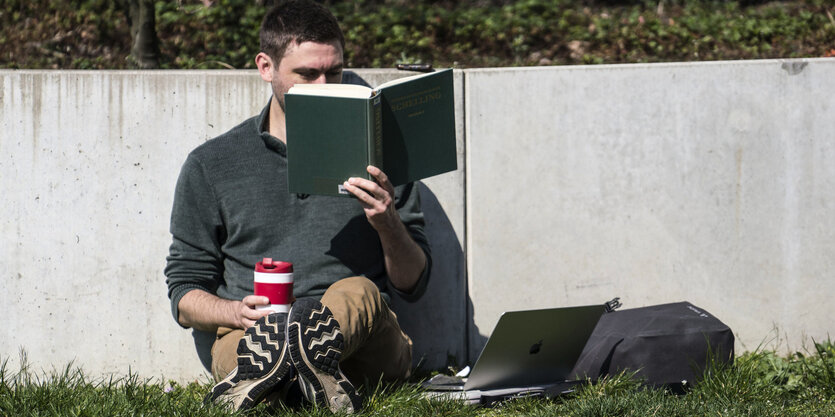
x=376, y=197
x=365, y=199
x=372, y=206
x=381, y=178
x=249, y=316
x=256, y=314
x=377, y=173
x=368, y=192
x=252, y=301
x=248, y=313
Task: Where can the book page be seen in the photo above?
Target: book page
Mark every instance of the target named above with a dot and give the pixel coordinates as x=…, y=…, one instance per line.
x=332, y=90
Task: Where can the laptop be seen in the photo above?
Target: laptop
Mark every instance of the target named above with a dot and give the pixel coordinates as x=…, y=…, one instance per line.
x=529, y=353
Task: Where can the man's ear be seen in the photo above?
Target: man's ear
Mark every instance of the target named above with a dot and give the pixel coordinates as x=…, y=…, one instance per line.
x=265, y=66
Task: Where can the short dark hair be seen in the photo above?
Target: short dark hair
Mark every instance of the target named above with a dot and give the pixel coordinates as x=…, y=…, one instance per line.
x=297, y=21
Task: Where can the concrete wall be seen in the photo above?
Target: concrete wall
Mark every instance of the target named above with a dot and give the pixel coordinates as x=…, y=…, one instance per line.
x=88, y=168
x=711, y=182
x=87, y=174
x=708, y=182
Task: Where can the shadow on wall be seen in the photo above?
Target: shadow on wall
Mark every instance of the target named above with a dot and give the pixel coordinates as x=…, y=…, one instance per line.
x=441, y=321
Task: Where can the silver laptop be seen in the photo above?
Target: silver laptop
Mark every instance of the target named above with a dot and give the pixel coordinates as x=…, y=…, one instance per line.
x=528, y=351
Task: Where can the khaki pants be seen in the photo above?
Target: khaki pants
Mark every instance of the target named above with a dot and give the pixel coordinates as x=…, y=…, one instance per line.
x=375, y=347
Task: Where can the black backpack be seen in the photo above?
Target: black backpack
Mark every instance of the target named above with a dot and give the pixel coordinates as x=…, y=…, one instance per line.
x=667, y=345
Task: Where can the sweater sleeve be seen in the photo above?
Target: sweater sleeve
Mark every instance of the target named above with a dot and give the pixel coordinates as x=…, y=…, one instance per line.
x=407, y=203
x=194, y=260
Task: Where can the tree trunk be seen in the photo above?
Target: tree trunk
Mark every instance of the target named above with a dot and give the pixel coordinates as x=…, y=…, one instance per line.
x=144, y=53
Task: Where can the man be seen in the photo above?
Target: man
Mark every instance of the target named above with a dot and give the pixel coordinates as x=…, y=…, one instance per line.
x=232, y=208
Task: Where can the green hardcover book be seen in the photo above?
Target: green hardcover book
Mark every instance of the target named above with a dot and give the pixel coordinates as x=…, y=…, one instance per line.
x=405, y=127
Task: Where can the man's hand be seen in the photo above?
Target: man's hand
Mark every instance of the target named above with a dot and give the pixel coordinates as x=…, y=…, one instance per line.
x=376, y=198
x=404, y=259
x=247, y=314
x=207, y=312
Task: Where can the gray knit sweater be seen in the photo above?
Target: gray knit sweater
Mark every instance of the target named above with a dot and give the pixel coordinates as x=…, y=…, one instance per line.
x=232, y=208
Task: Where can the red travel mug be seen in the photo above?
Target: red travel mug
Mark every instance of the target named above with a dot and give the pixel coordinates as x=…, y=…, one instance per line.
x=274, y=280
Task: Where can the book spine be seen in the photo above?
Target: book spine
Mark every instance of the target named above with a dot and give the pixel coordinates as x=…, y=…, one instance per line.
x=375, y=146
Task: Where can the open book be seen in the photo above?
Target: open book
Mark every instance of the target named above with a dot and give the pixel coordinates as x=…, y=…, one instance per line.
x=406, y=127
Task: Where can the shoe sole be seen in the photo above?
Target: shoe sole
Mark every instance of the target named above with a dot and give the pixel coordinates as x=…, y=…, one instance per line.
x=263, y=363
x=316, y=344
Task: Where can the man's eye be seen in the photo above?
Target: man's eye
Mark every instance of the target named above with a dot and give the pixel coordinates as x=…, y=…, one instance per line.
x=310, y=75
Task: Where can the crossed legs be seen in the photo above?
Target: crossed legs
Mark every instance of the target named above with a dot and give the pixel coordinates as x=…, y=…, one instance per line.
x=372, y=345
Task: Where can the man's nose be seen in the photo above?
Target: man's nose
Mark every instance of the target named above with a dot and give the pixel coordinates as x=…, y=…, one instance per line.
x=321, y=79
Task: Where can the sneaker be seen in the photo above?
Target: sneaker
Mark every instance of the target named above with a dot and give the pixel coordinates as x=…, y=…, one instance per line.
x=316, y=345
x=263, y=365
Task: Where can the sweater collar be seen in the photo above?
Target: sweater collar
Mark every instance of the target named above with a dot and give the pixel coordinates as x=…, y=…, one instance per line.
x=271, y=141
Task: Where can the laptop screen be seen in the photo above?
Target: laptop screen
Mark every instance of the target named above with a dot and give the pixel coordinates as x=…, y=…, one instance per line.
x=534, y=347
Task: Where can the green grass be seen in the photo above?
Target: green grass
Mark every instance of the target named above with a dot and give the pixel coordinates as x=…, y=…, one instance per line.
x=761, y=383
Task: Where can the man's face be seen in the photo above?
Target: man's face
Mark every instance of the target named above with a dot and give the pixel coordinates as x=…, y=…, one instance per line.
x=307, y=63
